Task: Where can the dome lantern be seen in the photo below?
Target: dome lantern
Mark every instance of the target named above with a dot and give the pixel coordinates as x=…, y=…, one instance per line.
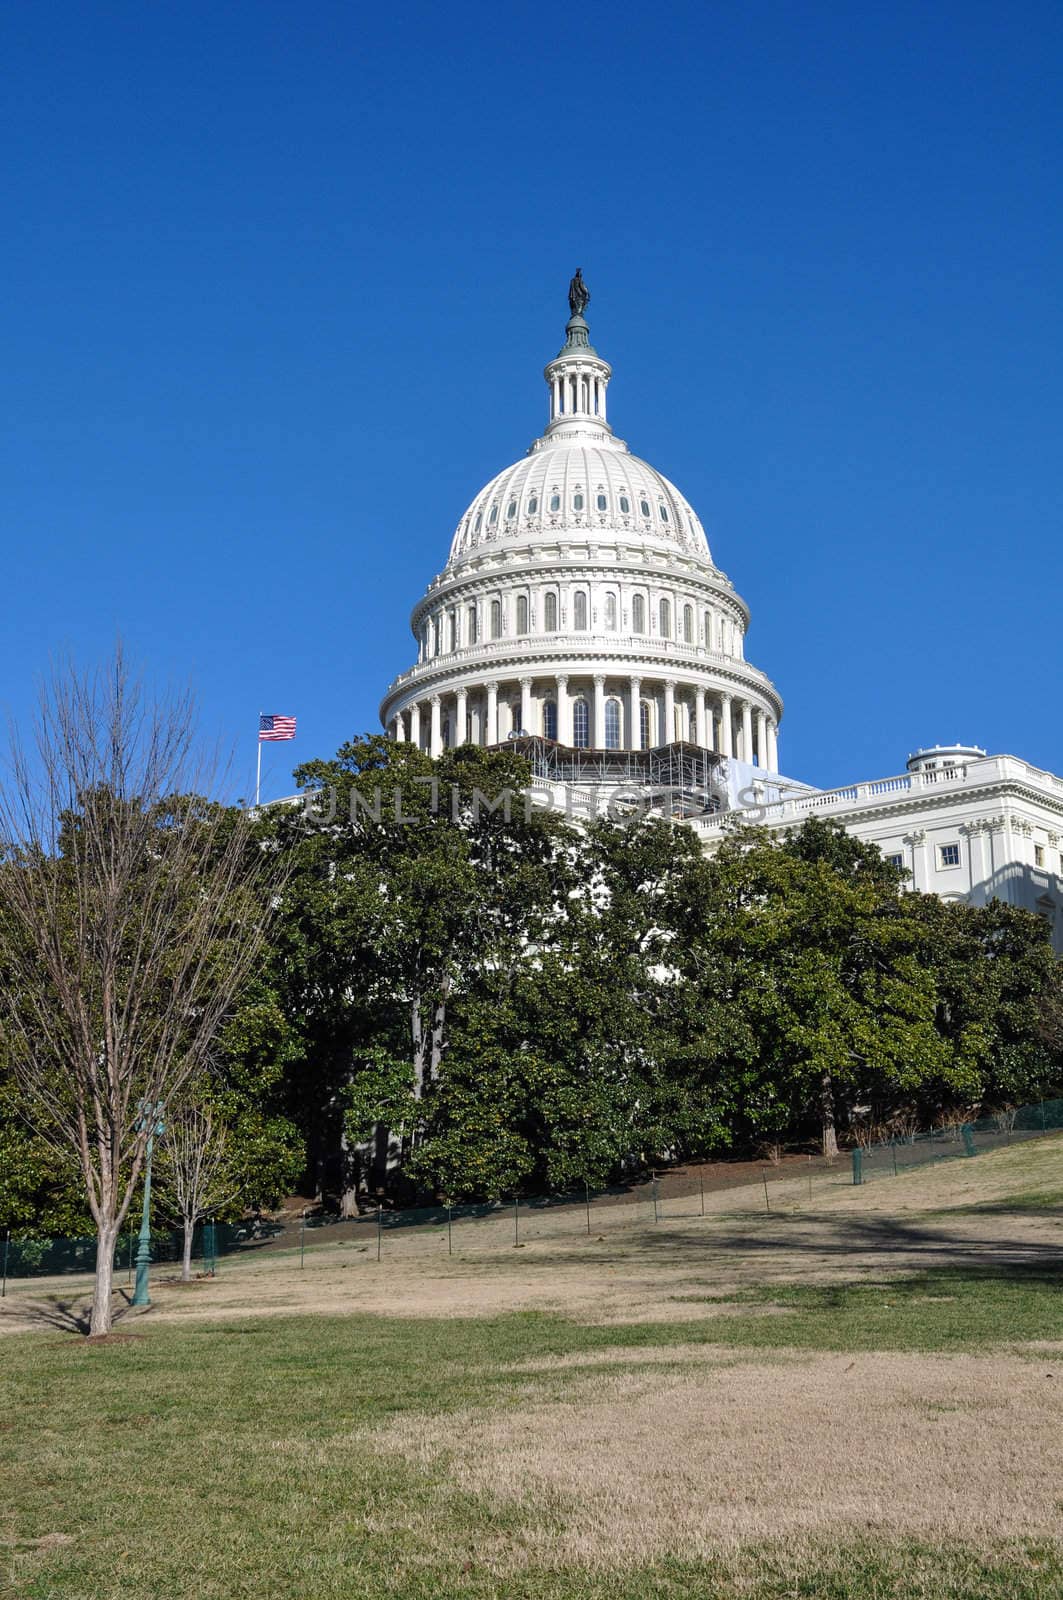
x=577, y=378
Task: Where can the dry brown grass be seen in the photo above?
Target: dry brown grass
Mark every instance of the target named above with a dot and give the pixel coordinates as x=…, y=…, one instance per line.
x=722, y=1452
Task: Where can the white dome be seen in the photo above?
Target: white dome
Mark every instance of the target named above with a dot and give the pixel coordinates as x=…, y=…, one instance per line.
x=564, y=487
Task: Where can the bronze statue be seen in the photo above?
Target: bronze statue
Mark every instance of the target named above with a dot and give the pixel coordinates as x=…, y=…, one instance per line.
x=578, y=294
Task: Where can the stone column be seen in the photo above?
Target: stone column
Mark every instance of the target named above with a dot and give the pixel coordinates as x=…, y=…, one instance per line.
x=726, y=726
x=747, y=732
x=598, y=739
x=700, y=736
x=435, y=741
x=526, y=706
x=492, y=714
x=773, y=748
x=762, y=739
x=635, y=714
x=461, y=714
x=564, y=711
x=916, y=843
x=399, y=735
x=415, y=723
x=669, y=711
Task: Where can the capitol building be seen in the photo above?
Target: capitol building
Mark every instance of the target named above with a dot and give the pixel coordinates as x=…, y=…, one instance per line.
x=581, y=618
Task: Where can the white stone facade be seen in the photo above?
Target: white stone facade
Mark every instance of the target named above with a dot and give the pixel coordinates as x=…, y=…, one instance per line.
x=580, y=605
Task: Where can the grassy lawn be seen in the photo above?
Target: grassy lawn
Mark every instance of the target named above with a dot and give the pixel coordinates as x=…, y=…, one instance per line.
x=253, y=1459
x=864, y=1404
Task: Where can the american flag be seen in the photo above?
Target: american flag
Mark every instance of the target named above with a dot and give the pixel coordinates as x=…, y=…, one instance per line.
x=275, y=728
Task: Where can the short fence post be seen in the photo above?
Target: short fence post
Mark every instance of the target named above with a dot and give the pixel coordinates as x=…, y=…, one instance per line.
x=894, y=1160
x=587, y=1196
x=701, y=1185
x=516, y=1220
x=810, y=1180
x=767, y=1198
x=656, y=1213
x=129, y=1266
x=302, y=1241
x=379, y=1228
x=858, y=1165
x=210, y=1249
x=968, y=1139
x=450, y=1236
x=1044, y=1125
x=7, y=1246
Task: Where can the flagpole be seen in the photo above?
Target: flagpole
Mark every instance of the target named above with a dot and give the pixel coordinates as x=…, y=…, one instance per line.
x=258, y=773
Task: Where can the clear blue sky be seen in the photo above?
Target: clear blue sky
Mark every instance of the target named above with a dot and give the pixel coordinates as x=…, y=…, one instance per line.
x=280, y=281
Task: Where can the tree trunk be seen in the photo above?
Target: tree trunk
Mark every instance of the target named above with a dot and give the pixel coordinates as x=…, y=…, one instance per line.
x=186, y=1257
x=102, y=1289
x=826, y=1100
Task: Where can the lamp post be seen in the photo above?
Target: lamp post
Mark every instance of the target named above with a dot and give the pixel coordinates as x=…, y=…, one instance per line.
x=150, y=1119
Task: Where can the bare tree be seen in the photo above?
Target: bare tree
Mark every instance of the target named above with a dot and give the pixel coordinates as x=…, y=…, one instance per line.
x=131, y=912
x=192, y=1170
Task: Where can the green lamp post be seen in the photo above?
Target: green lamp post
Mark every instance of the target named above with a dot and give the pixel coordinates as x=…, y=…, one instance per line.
x=150, y=1118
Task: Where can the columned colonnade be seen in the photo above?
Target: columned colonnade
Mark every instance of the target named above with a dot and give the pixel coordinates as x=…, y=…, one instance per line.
x=598, y=711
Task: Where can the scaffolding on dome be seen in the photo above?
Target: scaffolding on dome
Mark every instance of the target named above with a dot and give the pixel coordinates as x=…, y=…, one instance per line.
x=679, y=779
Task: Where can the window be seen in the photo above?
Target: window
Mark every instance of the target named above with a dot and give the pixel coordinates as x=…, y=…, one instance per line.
x=612, y=724
x=664, y=512
x=579, y=612
x=625, y=505
x=522, y=613
x=452, y=630
x=644, y=507
x=511, y=511
x=688, y=624
x=601, y=502
x=1038, y=855
x=895, y=859
x=479, y=522
x=446, y=733
x=644, y=725
x=493, y=518
x=550, y=613
x=533, y=505
x=610, y=612
x=580, y=724
x=555, y=502
x=706, y=623
x=577, y=502
x=664, y=613
x=948, y=855
x=496, y=619
x=514, y=718
x=470, y=618
x=638, y=614
x=550, y=720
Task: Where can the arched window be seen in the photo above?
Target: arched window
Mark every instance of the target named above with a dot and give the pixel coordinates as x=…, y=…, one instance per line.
x=664, y=512
x=496, y=619
x=550, y=720
x=550, y=613
x=555, y=502
x=625, y=505
x=511, y=511
x=612, y=725
x=581, y=724
x=479, y=522
x=707, y=625
x=638, y=614
x=644, y=507
x=577, y=502
x=664, y=615
x=610, y=612
x=452, y=630
x=644, y=725
x=522, y=613
x=602, y=502
x=446, y=733
x=579, y=611
x=533, y=505
x=493, y=518
x=514, y=718
x=688, y=624
x=470, y=618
